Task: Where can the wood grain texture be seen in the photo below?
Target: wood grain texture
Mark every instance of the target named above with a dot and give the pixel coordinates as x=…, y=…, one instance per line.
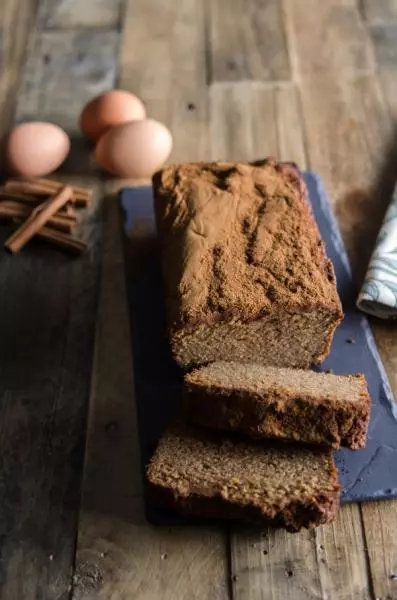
x=250, y=121
x=247, y=41
x=16, y=19
x=385, y=44
x=64, y=70
x=178, y=566
x=46, y=352
x=236, y=132
x=64, y=14
x=272, y=564
x=388, y=81
x=348, y=131
x=169, y=74
x=338, y=43
x=380, y=526
x=341, y=556
x=379, y=11
x=47, y=323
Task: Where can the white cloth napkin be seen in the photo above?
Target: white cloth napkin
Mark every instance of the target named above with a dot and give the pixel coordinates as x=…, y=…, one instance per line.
x=378, y=295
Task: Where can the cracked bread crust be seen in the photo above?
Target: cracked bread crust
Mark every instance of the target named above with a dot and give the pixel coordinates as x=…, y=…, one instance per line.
x=197, y=471
x=240, y=244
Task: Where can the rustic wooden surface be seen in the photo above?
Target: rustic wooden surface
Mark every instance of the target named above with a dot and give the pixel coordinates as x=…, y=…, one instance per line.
x=309, y=81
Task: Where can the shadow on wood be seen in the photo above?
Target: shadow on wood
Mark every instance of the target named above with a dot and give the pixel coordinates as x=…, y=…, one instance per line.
x=47, y=319
x=366, y=208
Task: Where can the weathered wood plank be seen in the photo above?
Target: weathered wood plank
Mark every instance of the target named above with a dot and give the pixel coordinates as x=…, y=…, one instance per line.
x=380, y=525
x=250, y=121
x=388, y=80
x=16, y=19
x=289, y=126
x=379, y=11
x=341, y=556
x=173, y=567
x=327, y=38
x=236, y=131
x=348, y=130
x=119, y=554
x=46, y=348
x=247, y=41
x=62, y=14
x=169, y=75
x=47, y=323
x=385, y=44
x=63, y=71
x=273, y=564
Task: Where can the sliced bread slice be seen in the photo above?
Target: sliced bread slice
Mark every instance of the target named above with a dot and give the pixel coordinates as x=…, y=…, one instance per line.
x=293, y=404
x=211, y=474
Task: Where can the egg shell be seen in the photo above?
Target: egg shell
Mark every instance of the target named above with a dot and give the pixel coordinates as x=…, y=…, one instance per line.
x=110, y=110
x=135, y=149
x=35, y=149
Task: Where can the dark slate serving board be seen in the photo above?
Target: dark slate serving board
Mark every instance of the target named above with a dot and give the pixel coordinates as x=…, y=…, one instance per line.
x=366, y=474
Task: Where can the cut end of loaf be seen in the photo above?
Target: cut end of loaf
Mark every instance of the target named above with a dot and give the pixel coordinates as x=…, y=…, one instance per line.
x=262, y=341
x=214, y=475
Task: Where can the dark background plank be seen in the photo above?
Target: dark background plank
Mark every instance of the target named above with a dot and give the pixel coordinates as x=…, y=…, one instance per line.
x=47, y=319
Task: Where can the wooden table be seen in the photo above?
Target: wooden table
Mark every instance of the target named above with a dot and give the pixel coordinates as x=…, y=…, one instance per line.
x=304, y=80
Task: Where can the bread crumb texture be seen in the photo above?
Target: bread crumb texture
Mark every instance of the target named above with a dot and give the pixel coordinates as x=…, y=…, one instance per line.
x=282, y=483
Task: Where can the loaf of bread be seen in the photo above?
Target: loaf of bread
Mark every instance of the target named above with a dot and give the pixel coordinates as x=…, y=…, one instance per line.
x=206, y=473
x=245, y=272
x=292, y=404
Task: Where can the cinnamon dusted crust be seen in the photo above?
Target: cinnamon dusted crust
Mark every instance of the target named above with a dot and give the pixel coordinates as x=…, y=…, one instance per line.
x=262, y=402
x=217, y=476
x=242, y=255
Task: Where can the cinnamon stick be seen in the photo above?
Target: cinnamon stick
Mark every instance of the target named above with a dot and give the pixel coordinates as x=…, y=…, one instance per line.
x=62, y=240
x=69, y=211
x=17, y=197
x=37, y=219
x=54, y=185
x=39, y=189
x=10, y=209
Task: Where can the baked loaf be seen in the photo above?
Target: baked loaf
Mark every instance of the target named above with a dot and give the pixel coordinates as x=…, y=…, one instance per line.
x=319, y=408
x=246, y=276
x=209, y=474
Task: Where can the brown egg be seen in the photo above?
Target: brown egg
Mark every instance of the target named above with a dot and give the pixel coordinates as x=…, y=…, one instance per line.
x=135, y=149
x=35, y=149
x=109, y=110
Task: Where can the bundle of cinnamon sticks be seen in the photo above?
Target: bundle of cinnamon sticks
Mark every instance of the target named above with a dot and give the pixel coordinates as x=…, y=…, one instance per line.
x=47, y=210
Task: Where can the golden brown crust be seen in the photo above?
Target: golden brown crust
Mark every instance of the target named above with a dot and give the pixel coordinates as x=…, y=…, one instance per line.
x=281, y=413
x=239, y=242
